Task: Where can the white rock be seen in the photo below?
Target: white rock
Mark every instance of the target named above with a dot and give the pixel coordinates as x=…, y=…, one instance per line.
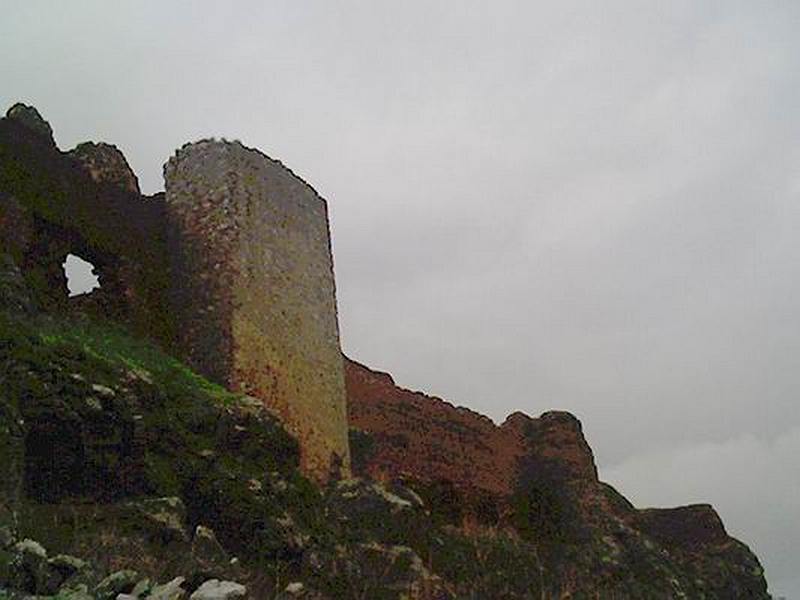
x=28, y=546
x=169, y=591
x=214, y=589
x=103, y=390
x=295, y=588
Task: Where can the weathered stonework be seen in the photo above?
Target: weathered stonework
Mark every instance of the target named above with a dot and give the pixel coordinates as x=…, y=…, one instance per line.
x=106, y=164
x=254, y=290
x=52, y=204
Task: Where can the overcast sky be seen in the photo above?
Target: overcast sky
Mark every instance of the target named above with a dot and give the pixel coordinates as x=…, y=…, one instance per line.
x=590, y=206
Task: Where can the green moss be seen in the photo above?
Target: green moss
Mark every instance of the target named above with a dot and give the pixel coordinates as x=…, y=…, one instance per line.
x=199, y=441
x=111, y=344
x=161, y=474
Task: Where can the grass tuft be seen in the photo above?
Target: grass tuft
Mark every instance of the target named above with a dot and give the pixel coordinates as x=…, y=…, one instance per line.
x=111, y=344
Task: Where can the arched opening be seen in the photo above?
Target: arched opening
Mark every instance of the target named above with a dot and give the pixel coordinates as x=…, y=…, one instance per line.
x=81, y=277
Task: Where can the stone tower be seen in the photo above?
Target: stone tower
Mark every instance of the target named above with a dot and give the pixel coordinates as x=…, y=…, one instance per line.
x=254, y=292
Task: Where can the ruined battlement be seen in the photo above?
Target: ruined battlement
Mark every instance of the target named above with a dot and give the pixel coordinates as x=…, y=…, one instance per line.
x=231, y=267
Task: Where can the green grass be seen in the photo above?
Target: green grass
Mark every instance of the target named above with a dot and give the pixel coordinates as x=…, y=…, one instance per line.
x=50, y=364
x=109, y=343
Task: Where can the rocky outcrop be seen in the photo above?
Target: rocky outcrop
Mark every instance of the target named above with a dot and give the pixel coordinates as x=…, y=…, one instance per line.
x=134, y=476
x=160, y=482
x=30, y=570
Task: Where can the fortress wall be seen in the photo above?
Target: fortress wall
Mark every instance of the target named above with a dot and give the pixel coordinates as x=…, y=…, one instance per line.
x=203, y=224
x=258, y=310
x=53, y=204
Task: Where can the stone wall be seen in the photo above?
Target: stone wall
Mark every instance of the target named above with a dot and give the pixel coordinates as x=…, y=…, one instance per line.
x=452, y=453
x=254, y=290
x=231, y=270
x=84, y=202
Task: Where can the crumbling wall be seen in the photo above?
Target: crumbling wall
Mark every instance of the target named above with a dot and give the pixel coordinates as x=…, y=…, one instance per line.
x=84, y=202
x=231, y=271
x=105, y=163
x=254, y=290
x=454, y=457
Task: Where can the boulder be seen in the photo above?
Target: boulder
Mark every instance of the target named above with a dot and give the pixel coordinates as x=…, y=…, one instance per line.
x=295, y=588
x=67, y=566
x=20, y=573
x=214, y=589
x=120, y=582
x=31, y=571
x=28, y=569
x=169, y=591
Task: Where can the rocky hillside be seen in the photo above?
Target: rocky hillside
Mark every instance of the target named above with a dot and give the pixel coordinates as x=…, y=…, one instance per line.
x=536, y=477
x=118, y=461
x=123, y=470
x=123, y=474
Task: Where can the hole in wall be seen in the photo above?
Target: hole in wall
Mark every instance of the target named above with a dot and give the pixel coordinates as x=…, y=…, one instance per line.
x=81, y=278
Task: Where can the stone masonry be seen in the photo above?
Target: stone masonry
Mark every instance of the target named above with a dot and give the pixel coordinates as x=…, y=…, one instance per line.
x=105, y=163
x=254, y=290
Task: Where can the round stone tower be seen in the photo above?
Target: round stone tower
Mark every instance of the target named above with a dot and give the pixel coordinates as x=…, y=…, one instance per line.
x=254, y=292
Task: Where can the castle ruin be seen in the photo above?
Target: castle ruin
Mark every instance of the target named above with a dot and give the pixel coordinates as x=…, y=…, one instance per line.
x=230, y=269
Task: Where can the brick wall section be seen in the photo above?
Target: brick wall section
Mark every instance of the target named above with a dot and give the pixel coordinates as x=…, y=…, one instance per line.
x=426, y=438
x=255, y=274
x=422, y=438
